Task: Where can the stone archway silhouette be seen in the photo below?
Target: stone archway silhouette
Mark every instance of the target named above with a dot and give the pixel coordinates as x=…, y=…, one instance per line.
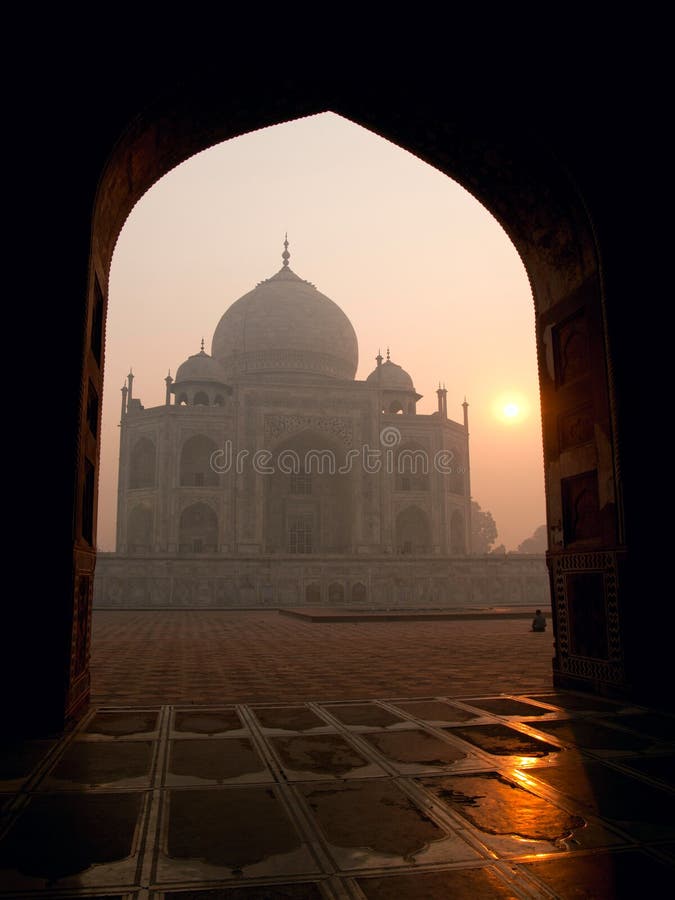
x=525, y=186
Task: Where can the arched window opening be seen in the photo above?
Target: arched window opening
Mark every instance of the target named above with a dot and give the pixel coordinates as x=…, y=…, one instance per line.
x=142, y=465
x=195, y=462
x=139, y=530
x=313, y=594
x=198, y=529
x=336, y=593
x=413, y=534
x=300, y=534
x=359, y=592
x=412, y=468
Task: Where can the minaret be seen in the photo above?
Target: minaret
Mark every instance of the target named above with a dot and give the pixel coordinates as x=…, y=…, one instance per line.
x=439, y=394
x=465, y=407
x=445, y=402
x=130, y=379
x=168, y=381
x=125, y=391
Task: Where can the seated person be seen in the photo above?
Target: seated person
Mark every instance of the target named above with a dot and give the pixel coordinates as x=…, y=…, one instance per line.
x=539, y=622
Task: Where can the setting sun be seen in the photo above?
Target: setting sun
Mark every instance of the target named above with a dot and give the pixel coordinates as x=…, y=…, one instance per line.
x=511, y=408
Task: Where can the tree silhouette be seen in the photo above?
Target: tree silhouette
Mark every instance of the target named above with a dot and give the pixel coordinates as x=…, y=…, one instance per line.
x=483, y=529
x=537, y=543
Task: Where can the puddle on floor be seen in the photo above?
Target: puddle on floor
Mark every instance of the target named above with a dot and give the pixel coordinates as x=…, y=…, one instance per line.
x=500, y=740
x=414, y=748
x=59, y=836
x=209, y=723
x=496, y=805
x=114, y=724
x=574, y=702
x=367, y=714
x=434, y=711
x=592, y=735
x=626, y=874
x=642, y=809
x=321, y=755
x=373, y=815
x=296, y=891
x=101, y=763
x=460, y=884
x=216, y=761
x=505, y=706
x=229, y=828
x=288, y=718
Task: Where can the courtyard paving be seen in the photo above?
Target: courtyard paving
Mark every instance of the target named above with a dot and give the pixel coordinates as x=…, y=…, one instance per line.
x=253, y=756
x=178, y=656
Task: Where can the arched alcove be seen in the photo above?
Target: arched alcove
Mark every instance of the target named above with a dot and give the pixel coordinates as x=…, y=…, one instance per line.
x=195, y=462
x=139, y=530
x=198, y=529
x=413, y=534
x=142, y=464
x=546, y=192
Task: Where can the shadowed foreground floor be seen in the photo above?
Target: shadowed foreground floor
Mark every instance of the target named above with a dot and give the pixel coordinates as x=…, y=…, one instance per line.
x=251, y=756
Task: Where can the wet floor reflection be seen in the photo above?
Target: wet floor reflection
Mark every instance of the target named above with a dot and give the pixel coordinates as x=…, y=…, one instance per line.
x=463, y=884
x=371, y=814
x=368, y=714
x=207, y=722
x=288, y=718
x=231, y=828
x=498, y=806
x=414, y=747
x=271, y=801
x=118, y=724
x=500, y=740
x=320, y=754
x=216, y=761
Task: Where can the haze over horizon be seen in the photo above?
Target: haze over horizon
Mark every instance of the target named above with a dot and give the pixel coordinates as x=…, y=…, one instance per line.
x=412, y=258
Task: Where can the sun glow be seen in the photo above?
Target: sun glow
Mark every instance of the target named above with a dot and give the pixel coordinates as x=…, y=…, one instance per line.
x=511, y=408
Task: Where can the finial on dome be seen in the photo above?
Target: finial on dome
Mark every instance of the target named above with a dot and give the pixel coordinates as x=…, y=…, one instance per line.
x=202, y=345
x=388, y=359
x=286, y=255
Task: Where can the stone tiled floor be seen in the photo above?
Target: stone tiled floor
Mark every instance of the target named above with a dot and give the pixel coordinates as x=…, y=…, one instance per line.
x=501, y=793
x=176, y=656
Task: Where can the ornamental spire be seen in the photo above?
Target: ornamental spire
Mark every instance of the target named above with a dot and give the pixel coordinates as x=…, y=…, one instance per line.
x=202, y=345
x=286, y=255
x=388, y=357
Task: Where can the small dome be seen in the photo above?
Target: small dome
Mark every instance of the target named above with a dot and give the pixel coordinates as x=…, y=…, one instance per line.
x=201, y=367
x=391, y=377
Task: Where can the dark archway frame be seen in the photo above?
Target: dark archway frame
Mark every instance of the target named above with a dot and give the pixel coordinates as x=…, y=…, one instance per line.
x=531, y=193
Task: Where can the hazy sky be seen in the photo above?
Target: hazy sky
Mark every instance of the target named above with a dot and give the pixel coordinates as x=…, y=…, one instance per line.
x=412, y=258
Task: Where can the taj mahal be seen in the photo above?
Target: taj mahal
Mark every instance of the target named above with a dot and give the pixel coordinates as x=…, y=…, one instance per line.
x=271, y=476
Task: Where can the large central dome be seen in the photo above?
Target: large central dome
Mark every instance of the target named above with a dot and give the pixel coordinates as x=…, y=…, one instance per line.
x=284, y=325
